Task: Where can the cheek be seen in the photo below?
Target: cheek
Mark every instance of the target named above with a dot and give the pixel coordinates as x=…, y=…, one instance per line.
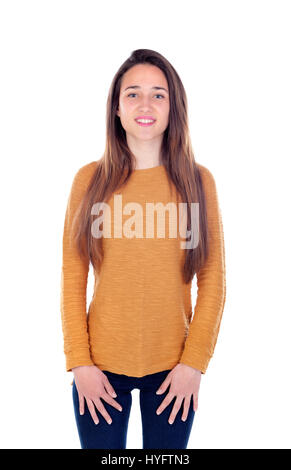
x=165, y=115
x=164, y=110
x=126, y=107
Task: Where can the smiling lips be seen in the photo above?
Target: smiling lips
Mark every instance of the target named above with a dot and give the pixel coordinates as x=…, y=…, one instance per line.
x=145, y=121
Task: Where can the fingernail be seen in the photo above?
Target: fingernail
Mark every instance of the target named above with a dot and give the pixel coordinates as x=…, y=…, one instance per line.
x=171, y=422
x=158, y=392
x=114, y=394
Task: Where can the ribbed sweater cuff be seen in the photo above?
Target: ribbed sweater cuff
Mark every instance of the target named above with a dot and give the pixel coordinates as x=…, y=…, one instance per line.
x=195, y=362
x=82, y=358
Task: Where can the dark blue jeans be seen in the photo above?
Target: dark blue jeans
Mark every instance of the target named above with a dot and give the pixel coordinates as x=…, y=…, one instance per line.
x=157, y=432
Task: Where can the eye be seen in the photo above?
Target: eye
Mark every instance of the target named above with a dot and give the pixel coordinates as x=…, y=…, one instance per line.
x=158, y=94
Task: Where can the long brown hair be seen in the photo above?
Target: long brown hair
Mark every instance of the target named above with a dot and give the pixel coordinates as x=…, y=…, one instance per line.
x=118, y=161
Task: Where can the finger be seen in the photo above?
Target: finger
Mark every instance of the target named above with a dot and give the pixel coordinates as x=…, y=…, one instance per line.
x=100, y=407
x=109, y=388
x=186, y=407
x=195, y=402
x=92, y=410
x=111, y=401
x=166, y=401
x=81, y=404
x=164, y=385
x=175, y=409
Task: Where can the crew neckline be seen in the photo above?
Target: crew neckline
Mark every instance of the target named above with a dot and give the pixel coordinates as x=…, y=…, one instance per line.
x=147, y=170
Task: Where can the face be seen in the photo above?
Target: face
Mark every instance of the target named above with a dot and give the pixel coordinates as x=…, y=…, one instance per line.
x=144, y=93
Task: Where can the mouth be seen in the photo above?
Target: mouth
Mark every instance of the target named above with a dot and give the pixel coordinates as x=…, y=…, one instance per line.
x=145, y=122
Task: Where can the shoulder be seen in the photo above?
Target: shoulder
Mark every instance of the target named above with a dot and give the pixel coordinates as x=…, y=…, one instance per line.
x=207, y=177
x=84, y=174
x=86, y=171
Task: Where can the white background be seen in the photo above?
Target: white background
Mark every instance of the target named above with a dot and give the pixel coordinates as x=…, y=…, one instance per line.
x=57, y=62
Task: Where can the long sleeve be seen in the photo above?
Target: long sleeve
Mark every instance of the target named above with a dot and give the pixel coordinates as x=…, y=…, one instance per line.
x=211, y=287
x=74, y=277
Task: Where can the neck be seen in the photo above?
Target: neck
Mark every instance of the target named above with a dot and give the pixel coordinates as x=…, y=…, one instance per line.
x=146, y=152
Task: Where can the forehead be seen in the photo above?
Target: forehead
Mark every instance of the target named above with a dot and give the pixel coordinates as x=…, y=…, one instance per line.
x=145, y=75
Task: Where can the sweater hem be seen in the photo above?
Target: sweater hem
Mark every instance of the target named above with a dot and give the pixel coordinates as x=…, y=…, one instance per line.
x=132, y=372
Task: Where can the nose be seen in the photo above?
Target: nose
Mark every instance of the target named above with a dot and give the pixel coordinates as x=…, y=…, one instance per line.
x=145, y=104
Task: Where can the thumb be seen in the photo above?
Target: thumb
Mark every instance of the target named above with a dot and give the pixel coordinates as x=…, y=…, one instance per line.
x=108, y=387
x=164, y=385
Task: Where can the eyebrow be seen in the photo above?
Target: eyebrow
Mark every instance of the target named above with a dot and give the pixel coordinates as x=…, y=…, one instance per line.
x=153, y=88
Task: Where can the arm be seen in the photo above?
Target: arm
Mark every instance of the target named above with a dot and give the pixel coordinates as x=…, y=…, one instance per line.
x=204, y=327
x=74, y=277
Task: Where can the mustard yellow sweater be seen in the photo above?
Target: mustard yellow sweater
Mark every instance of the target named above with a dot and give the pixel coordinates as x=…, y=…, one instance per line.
x=139, y=319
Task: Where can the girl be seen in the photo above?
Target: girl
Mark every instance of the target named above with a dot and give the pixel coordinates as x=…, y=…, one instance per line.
x=130, y=214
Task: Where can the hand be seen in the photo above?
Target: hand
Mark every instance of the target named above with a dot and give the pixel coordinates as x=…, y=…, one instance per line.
x=93, y=384
x=185, y=382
